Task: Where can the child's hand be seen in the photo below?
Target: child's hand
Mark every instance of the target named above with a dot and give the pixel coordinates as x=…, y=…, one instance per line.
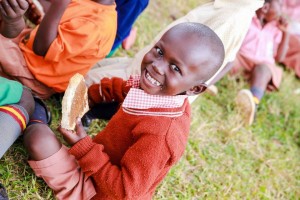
x=73, y=137
x=283, y=23
x=12, y=10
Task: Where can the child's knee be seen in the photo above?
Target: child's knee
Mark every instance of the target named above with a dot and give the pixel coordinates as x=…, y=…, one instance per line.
x=40, y=142
x=263, y=69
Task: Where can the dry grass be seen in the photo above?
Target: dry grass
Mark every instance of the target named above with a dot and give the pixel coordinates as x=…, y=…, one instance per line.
x=223, y=159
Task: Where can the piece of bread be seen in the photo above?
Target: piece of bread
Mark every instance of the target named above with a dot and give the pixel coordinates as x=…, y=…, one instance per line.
x=75, y=102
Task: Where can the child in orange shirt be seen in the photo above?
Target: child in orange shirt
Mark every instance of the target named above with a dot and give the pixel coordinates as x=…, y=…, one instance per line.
x=128, y=11
x=72, y=36
x=148, y=134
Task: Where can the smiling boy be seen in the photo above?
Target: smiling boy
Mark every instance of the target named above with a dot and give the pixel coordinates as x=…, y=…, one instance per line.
x=148, y=134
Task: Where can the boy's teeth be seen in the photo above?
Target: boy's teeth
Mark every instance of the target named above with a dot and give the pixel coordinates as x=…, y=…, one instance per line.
x=152, y=80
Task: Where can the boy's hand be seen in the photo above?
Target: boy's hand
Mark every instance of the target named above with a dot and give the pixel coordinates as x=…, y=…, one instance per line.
x=12, y=10
x=73, y=137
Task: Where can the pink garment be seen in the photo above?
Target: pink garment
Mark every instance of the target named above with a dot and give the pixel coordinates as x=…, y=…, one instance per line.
x=66, y=178
x=292, y=9
x=261, y=43
x=246, y=66
x=13, y=66
x=292, y=58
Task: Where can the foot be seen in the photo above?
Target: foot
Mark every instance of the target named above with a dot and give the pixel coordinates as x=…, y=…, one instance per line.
x=129, y=41
x=246, y=106
x=41, y=113
x=212, y=90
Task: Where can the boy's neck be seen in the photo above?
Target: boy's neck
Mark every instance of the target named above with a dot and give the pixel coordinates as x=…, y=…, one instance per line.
x=261, y=18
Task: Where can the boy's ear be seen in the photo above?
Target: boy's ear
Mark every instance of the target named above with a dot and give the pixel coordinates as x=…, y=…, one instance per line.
x=196, y=90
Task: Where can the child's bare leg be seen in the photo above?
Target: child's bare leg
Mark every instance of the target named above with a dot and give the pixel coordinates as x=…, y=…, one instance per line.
x=40, y=142
x=261, y=77
x=51, y=161
x=27, y=101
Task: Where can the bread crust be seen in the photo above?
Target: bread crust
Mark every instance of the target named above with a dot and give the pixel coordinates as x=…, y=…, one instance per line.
x=75, y=102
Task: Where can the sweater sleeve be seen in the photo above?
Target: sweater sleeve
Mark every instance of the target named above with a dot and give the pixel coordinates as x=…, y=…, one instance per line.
x=108, y=90
x=140, y=167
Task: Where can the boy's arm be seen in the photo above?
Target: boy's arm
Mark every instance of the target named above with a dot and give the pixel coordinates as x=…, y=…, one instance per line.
x=283, y=46
x=285, y=38
x=140, y=166
x=11, y=17
x=47, y=30
x=108, y=90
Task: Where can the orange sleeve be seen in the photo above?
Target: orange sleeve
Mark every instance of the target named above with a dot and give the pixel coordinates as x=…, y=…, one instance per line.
x=74, y=37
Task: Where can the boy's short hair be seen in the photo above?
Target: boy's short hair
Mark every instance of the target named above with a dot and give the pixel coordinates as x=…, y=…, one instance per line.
x=207, y=37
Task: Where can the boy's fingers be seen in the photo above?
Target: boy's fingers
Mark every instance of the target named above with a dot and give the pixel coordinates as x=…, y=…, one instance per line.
x=13, y=5
x=5, y=7
x=79, y=128
x=70, y=137
x=23, y=4
x=64, y=131
x=2, y=11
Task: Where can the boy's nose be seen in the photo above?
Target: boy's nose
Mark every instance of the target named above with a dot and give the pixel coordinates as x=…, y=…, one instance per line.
x=159, y=67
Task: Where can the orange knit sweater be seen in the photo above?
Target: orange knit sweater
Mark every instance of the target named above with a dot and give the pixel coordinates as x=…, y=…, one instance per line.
x=132, y=155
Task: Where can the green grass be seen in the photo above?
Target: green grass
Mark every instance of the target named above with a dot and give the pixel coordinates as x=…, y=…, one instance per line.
x=223, y=159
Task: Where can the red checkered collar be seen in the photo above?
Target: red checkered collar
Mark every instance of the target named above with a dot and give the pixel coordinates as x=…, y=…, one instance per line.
x=137, y=98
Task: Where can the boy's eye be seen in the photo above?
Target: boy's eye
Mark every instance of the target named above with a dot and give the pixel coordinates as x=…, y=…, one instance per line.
x=159, y=51
x=175, y=68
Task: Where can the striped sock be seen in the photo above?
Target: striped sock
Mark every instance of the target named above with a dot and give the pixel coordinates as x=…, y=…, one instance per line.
x=257, y=94
x=13, y=120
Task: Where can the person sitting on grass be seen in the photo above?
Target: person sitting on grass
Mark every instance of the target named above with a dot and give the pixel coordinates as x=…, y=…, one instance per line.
x=16, y=107
x=128, y=11
x=217, y=15
x=256, y=58
x=148, y=134
x=18, y=110
x=72, y=36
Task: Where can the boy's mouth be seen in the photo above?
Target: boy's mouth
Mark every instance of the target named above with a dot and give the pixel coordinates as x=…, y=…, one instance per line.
x=152, y=80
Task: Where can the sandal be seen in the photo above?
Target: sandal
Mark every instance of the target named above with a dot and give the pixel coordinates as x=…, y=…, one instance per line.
x=47, y=110
x=3, y=193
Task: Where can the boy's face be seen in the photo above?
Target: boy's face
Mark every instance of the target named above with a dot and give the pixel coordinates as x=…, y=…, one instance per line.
x=274, y=11
x=173, y=65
